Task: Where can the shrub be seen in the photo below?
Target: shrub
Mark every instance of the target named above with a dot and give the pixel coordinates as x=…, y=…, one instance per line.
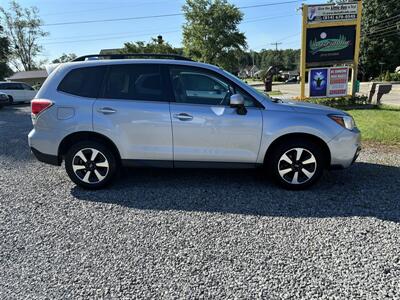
x=341, y=102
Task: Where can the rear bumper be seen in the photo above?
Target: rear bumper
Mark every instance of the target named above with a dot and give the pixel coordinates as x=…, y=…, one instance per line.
x=4, y=101
x=46, y=158
x=345, y=148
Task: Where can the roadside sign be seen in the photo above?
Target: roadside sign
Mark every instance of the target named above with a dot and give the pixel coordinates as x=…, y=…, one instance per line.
x=332, y=13
x=318, y=81
x=328, y=82
x=331, y=35
x=338, y=81
x=329, y=45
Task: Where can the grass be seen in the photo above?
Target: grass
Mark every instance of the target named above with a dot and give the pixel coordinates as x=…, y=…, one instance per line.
x=274, y=93
x=378, y=125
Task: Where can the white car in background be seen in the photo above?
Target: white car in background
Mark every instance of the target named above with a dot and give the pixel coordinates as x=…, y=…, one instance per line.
x=17, y=91
x=3, y=100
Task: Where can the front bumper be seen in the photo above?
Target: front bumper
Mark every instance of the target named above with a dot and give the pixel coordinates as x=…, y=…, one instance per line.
x=345, y=148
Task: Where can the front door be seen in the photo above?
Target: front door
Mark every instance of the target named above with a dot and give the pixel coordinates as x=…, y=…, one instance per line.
x=205, y=128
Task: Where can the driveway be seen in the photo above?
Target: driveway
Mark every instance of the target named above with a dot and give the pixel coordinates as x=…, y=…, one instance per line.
x=195, y=233
x=290, y=91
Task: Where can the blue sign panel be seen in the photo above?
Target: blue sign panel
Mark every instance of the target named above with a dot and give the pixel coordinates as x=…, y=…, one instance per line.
x=318, y=82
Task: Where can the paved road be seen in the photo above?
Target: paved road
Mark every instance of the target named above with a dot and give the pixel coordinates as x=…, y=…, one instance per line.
x=292, y=90
x=202, y=234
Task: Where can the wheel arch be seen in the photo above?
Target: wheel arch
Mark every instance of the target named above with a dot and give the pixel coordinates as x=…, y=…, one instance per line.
x=304, y=136
x=80, y=136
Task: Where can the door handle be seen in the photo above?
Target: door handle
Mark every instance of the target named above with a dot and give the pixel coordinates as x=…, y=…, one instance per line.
x=106, y=110
x=183, y=117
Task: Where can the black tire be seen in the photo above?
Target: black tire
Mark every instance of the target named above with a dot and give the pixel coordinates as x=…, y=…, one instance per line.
x=10, y=100
x=104, y=157
x=307, y=174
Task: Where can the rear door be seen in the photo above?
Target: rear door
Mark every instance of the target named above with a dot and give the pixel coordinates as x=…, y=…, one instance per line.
x=133, y=110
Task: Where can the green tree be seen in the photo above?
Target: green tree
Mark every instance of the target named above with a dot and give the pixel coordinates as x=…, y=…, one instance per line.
x=4, y=54
x=23, y=26
x=64, y=58
x=380, y=38
x=156, y=45
x=211, y=33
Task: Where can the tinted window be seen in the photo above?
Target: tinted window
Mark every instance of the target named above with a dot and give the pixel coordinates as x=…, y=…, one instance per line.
x=193, y=85
x=134, y=82
x=85, y=82
x=27, y=87
x=11, y=86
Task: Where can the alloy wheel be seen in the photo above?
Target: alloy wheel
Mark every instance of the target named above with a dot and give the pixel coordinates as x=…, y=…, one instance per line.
x=297, y=166
x=90, y=165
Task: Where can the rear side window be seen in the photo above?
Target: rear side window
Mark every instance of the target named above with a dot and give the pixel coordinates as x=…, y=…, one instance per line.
x=84, y=82
x=11, y=86
x=134, y=82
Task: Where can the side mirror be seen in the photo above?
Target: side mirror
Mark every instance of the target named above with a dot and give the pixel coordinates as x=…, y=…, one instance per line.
x=237, y=101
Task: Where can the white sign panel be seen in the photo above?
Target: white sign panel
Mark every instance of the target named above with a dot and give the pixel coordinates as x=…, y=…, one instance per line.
x=338, y=81
x=332, y=12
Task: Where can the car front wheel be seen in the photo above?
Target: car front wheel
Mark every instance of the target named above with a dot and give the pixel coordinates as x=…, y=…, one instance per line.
x=90, y=165
x=297, y=164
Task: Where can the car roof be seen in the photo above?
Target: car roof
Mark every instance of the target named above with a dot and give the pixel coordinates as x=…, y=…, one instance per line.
x=88, y=63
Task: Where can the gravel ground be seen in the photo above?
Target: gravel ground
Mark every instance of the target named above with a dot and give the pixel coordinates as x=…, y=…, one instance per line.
x=196, y=233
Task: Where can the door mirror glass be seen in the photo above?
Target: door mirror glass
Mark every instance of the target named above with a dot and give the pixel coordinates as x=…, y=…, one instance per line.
x=237, y=100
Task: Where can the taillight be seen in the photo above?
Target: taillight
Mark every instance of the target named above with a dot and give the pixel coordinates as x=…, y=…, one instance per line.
x=39, y=105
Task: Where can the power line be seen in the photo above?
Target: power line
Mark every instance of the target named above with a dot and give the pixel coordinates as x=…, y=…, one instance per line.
x=386, y=20
x=159, y=16
x=292, y=35
x=397, y=33
x=65, y=39
x=110, y=38
x=379, y=30
x=127, y=34
x=102, y=9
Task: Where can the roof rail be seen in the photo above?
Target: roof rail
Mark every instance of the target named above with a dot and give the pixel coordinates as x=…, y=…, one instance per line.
x=131, y=55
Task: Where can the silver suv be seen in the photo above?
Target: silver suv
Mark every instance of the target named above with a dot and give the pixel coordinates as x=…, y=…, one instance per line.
x=99, y=115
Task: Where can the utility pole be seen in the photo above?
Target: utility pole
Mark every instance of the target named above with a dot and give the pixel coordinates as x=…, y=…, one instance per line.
x=276, y=45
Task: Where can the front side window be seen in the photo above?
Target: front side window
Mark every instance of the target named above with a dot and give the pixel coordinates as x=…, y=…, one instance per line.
x=84, y=82
x=134, y=82
x=197, y=86
x=27, y=87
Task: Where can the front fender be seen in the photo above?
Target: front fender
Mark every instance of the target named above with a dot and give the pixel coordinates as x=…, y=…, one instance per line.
x=280, y=123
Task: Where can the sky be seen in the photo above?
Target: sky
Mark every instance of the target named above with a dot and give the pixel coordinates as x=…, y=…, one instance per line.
x=262, y=25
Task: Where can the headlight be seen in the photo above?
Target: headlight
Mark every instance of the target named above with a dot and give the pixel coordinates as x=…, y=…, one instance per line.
x=344, y=121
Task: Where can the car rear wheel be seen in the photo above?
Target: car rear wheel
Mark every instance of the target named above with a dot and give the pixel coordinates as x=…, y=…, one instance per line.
x=10, y=99
x=91, y=165
x=297, y=165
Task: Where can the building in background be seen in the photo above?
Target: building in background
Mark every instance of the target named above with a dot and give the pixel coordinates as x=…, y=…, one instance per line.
x=33, y=78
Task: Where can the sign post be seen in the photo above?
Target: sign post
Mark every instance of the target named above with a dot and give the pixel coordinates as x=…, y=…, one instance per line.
x=357, y=51
x=330, y=36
